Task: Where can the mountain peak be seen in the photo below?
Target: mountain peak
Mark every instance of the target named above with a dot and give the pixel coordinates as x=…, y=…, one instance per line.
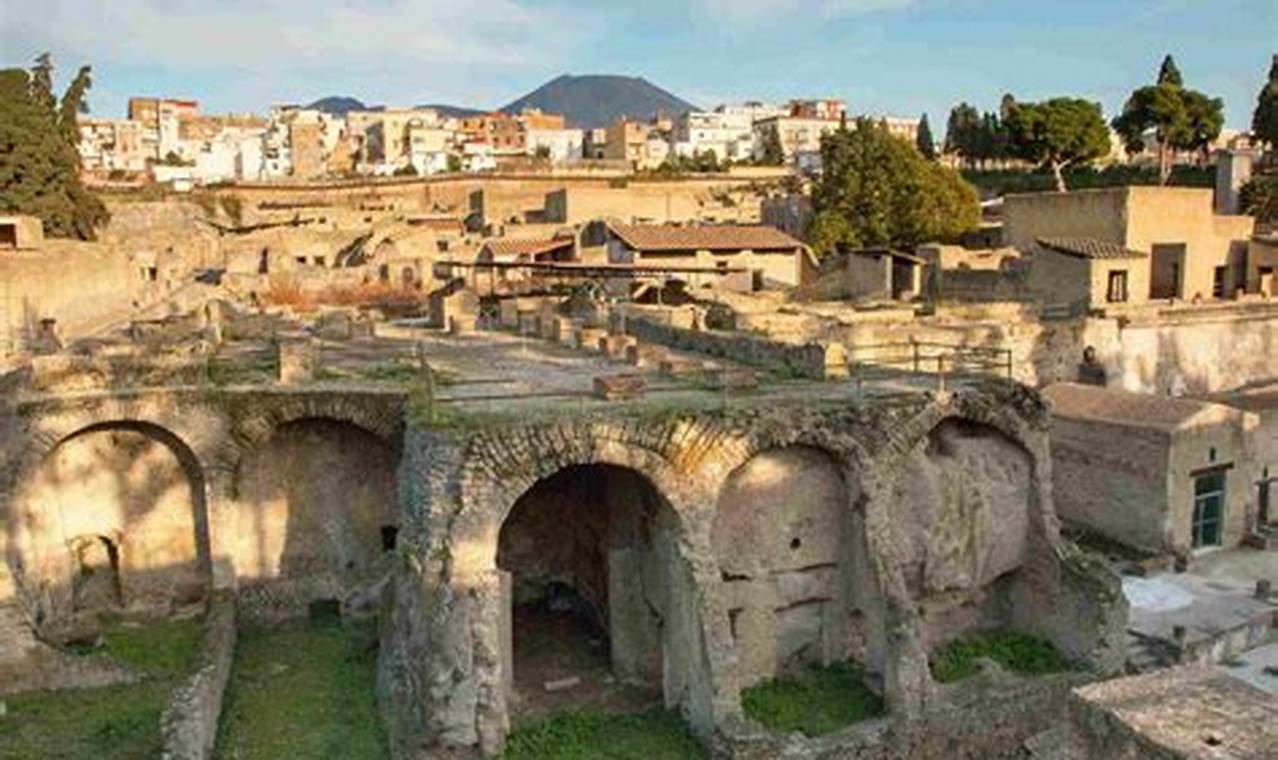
x=597, y=100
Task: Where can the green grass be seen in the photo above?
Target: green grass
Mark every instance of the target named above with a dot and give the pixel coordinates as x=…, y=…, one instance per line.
x=301, y=691
x=112, y=723
x=1018, y=652
x=819, y=700
x=593, y=735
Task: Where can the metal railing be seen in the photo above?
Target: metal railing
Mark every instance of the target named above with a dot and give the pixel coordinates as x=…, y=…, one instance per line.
x=945, y=362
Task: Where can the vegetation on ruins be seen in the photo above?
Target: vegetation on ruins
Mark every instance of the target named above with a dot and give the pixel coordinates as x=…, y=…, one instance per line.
x=1057, y=133
x=303, y=690
x=1018, y=652
x=39, y=160
x=819, y=700
x=1264, y=121
x=876, y=189
x=591, y=734
x=1180, y=118
x=113, y=722
x=924, y=140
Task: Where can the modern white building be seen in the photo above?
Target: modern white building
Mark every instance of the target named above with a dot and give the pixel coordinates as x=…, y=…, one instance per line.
x=563, y=145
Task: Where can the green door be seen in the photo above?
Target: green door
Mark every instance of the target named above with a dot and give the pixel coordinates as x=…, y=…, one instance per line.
x=1209, y=509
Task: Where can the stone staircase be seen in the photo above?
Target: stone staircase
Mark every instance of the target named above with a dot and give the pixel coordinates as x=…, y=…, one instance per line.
x=1263, y=537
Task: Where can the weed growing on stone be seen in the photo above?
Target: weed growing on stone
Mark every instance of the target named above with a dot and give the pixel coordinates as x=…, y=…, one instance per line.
x=819, y=700
x=593, y=735
x=1018, y=652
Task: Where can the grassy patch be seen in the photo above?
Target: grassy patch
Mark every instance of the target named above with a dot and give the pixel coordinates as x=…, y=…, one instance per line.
x=112, y=723
x=303, y=690
x=588, y=734
x=244, y=370
x=1018, y=652
x=818, y=701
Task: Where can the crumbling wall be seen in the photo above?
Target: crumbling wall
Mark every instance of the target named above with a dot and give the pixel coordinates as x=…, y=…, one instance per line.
x=784, y=540
x=962, y=514
x=189, y=724
x=311, y=504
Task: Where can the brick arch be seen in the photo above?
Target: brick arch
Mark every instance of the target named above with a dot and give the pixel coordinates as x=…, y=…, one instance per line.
x=380, y=415
x=199, y=428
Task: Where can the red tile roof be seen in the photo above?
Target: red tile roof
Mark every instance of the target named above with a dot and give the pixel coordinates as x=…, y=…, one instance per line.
x=726, y=237
x=524, y=247
x=1090, y=248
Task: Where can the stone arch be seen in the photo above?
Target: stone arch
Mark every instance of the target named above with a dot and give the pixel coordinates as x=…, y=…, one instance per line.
x=969, y=513
x=497, y=470
x=790, y=544
x=130, y=483
x=379, y=414
x=314, y=501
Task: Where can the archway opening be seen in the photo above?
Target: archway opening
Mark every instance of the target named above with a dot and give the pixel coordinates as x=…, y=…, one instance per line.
x=962, y=508
x=592, y=574
x=791, y=552
x=317, y=508
x=113, y=520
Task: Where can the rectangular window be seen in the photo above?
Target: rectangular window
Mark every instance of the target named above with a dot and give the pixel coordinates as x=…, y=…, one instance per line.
x=1117, y=290
x=1209, y=509
x=1218, y=283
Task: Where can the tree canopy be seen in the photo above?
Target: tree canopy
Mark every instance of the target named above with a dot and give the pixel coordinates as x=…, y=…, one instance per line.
x=1264, y=121
x=1181, y=119
x=1058, y=133
x=772, y=153
x=878, y=190
x=976, y=137
x=39, y=159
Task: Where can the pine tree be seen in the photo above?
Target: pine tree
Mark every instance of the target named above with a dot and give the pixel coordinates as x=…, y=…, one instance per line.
x=1181, y=119
x=1264, y=121
x=772, y=153
x=924, y=140
x=39, y=159
x=1058, y=133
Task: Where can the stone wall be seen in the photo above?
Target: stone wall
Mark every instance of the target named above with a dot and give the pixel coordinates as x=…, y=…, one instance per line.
x=810, y=360
x=443, y=664
x=188, y=726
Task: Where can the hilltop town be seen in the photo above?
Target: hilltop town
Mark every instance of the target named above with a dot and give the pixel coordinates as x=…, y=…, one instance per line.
x=766, y=431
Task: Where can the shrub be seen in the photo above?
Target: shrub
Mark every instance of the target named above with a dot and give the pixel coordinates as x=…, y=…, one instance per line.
x=818, y=701
x=1018, y=652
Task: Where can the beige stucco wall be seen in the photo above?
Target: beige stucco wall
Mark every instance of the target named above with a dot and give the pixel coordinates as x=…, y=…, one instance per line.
x=1059, y=279
x=1138, y=274
x=1098, y=214
x=1169, y=215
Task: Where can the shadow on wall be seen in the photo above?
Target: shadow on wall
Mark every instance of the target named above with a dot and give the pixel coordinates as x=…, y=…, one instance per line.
x=113, y=519
x=789, y=540
x=315, y=514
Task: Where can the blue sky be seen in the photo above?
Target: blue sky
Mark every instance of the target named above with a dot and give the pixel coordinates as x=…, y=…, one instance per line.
x=901, y=57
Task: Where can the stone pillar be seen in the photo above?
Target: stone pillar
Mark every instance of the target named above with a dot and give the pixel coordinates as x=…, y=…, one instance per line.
x=298, y=360
x=1233, y=170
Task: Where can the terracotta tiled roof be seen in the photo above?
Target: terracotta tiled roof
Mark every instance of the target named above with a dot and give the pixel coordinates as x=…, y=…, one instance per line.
x=524, y=247
x=1089, y=248
x=727, y=237
x=1145, y=410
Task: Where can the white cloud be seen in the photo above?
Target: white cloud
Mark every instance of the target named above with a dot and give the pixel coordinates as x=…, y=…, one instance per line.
x=422, y=44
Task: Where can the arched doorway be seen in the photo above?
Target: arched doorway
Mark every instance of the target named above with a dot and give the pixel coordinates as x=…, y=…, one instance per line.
x=113, y=519
x=598, y=595
x=961, y=508
x=791, y=552
x=316, y=516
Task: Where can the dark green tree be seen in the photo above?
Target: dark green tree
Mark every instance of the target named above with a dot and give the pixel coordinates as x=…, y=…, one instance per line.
x=1169, y=74
x=878, y=190
x=963, y=133
x=1058, y=133
x=771, y=153
x=1181, y=119
x=924, y=140
x=1264, y=121
x=39, y=158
